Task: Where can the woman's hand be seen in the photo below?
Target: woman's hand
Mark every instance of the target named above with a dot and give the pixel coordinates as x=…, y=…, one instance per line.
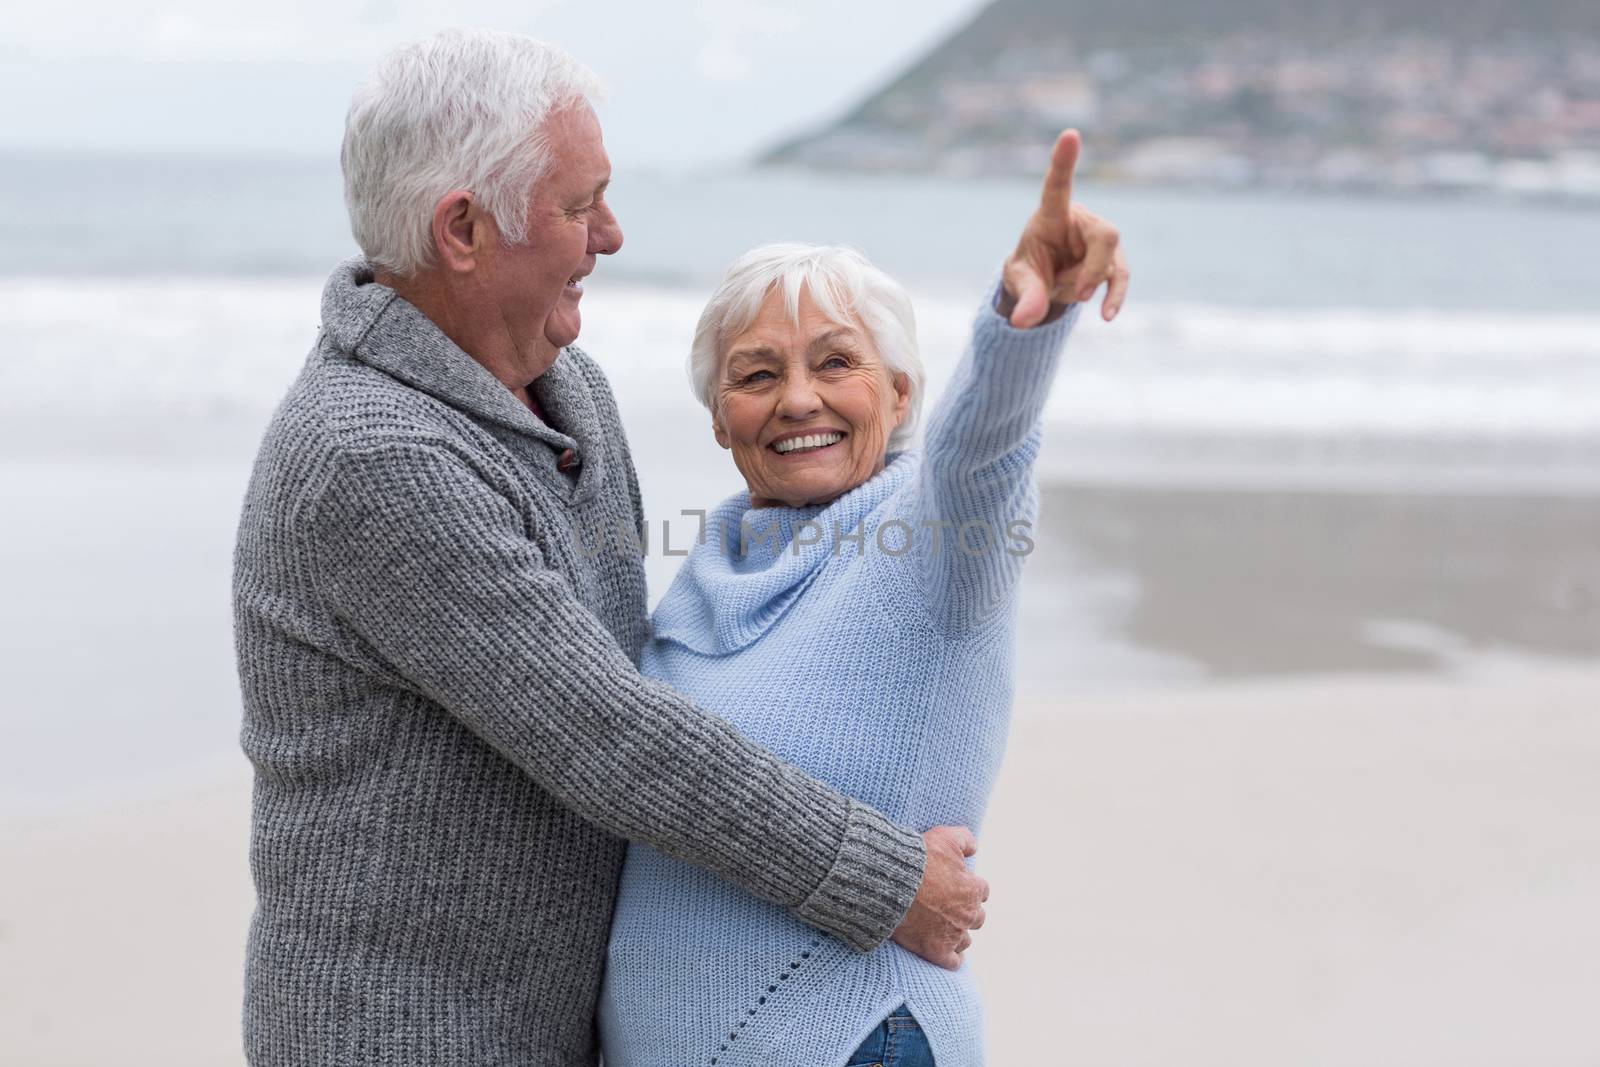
x=1066, y=251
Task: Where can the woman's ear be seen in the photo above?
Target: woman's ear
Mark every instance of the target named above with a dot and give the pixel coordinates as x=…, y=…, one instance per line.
x=902, y=397
x=719, y=431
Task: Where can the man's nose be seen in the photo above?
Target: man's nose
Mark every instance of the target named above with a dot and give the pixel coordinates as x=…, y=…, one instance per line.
x=605, y=237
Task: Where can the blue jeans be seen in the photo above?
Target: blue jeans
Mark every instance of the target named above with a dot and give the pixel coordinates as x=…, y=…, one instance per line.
x=897, y=1042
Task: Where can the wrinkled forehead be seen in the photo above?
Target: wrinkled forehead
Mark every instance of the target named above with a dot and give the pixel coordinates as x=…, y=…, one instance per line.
x=785, y=303
x=578, y=159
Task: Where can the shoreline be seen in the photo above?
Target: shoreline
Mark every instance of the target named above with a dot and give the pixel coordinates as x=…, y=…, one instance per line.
x=1132, y=588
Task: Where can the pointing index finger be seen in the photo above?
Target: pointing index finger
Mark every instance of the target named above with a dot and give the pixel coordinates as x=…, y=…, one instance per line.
x=1056, y=197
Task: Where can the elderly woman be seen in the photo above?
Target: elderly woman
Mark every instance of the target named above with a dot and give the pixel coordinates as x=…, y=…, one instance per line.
x=852, y=612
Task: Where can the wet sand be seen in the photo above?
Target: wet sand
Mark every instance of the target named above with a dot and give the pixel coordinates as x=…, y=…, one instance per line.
x=1134, y=585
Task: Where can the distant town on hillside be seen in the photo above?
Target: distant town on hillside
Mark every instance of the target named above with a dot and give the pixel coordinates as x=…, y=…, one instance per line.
x=1478, y=95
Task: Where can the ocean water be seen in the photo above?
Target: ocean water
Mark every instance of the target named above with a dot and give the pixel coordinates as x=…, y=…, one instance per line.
x=1266, y=330
x=1291, y=374
x=120, y=216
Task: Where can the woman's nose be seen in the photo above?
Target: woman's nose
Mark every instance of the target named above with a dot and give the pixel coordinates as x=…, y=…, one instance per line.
x=799, y=398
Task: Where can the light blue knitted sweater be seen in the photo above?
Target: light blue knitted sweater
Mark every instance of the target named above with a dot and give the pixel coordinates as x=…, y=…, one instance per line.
x=878, y=664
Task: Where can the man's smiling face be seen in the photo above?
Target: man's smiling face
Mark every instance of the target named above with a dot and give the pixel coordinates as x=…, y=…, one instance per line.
x=537, y=284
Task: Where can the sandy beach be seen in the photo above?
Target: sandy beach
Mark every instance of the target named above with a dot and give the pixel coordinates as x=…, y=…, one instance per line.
x=1372, y=870
x=1295, y=778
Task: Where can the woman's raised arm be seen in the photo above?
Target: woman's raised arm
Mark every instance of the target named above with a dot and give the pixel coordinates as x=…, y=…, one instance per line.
x=976, y=501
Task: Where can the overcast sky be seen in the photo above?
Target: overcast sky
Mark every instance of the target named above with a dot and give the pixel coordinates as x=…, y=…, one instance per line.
x=690, y=83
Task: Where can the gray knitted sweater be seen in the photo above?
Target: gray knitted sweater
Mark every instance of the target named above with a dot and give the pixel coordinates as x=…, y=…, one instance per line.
x=450, y=738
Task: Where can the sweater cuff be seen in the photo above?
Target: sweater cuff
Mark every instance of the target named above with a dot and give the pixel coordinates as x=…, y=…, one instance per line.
x=867, y=893
x=1040, y=342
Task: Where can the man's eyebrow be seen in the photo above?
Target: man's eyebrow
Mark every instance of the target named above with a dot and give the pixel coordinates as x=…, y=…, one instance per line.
x=598, y=189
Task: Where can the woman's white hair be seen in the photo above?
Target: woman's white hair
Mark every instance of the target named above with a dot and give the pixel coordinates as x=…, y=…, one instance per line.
x=842, y=282
x=463, y=109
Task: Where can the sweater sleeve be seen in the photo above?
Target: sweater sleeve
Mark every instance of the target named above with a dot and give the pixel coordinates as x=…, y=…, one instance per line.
x=976, y=485
x=436, y=573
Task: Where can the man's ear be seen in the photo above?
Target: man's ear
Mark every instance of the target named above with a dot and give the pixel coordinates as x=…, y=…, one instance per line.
x=902, y=398
x=461, y=231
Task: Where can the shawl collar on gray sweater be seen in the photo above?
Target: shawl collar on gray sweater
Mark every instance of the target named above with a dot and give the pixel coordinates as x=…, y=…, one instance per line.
x=379, y=327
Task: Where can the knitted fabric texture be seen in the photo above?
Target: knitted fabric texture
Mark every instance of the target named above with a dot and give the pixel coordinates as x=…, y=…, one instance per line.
x=450, y=735
x=870, y=642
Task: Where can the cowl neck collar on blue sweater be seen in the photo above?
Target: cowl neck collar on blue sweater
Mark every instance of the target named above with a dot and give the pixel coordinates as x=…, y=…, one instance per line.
x=733, y=587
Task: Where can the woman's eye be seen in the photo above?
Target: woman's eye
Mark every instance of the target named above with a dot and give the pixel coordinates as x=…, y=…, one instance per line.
x=757, y=376
x=836, y=360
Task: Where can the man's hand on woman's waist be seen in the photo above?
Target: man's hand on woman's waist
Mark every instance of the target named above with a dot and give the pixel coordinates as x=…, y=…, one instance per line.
x=949, y=902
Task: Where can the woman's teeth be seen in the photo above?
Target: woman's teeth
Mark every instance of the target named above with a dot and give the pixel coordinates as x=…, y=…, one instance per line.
x=810, y=441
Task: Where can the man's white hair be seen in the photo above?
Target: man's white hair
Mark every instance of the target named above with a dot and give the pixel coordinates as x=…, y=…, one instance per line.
x=463, y=109
x=841, y=282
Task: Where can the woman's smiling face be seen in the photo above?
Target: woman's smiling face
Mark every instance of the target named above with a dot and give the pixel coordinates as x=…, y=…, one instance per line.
x=805, y=404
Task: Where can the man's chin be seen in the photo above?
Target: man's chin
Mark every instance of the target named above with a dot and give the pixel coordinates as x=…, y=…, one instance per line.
x=561, y=327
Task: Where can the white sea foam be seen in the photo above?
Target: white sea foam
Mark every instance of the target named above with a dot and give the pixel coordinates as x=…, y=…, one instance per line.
x=217, y=346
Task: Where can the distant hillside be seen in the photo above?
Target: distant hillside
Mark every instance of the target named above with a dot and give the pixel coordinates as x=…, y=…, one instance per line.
x=1408, y=93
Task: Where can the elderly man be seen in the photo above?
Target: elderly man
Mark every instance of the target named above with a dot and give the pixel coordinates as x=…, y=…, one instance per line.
x=451, y=740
